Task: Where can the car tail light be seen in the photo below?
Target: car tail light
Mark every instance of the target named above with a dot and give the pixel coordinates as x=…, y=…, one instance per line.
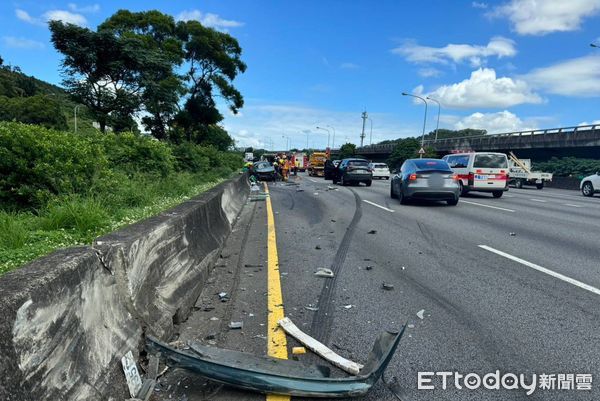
x=412, y=177
x=479, y=171
x=454, y=177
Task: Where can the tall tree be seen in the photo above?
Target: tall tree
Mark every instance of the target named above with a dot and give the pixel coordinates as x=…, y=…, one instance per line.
x=347, y=150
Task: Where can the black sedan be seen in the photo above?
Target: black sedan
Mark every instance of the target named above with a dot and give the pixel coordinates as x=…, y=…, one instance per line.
x=353, y=171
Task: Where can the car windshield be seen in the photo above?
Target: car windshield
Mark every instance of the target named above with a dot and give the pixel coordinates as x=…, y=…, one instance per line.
x=490, y=161
x=380, y=165
x=431, y=165
x=358, y=163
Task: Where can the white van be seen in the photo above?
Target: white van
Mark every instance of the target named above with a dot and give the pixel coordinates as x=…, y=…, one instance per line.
x=480, y=171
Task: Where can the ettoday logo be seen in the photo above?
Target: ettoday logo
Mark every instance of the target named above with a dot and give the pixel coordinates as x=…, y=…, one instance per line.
x=507, y=381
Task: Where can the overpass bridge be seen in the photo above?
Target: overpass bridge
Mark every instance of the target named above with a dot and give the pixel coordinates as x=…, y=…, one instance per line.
x=580, y=141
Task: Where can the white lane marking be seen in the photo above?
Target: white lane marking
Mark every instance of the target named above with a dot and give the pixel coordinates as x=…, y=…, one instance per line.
x=537, y=200
x=543, y=270
x=310, y=179
x=379, y=206
x=509, y=196
x=572, y=205
x=481, y=204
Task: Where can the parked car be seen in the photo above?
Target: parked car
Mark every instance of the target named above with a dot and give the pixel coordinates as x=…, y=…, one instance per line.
x=264, y=171
x=353, y=171
x=380, y=171
x=430, y=179
x=590, y=185
x=480, y=171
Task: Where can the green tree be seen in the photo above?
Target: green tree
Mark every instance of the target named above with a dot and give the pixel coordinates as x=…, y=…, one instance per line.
x=408, y=148
x=347, y=150
x=448, y=133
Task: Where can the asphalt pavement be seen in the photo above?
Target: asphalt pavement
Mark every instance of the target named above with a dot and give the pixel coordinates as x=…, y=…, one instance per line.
x=509, y=285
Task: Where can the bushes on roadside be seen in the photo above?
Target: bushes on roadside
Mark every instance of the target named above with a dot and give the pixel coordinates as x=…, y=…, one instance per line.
x=569, y=166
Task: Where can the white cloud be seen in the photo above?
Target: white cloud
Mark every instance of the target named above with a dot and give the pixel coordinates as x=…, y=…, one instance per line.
x=540, y=17
x=92, y=8
x=349, y=66
x=429, y=72
x=493, y=123
x=21, y=43
x=52, y=15
x=457, y=53
x=578, y=77
x=484, y=90
x=595, y=122
x=209, y=20
x=66, y=17
x=262, y=124
x=480, y=5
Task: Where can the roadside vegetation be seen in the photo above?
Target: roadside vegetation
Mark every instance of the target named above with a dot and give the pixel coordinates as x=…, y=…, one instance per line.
x=569, y=167
x=58, y=189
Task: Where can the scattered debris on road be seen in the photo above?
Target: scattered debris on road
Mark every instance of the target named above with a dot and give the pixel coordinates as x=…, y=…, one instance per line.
x=324, y=272
x=223, y=297
x=387, y=286
x=369, y=267
x=311, y=308
x=349, y=306
x=298, y=350
x=236, y=325
x=372, y=232
x=317, y=247
x=420, y=314
x=272, y=375
x=319, y=348
x=513, y=234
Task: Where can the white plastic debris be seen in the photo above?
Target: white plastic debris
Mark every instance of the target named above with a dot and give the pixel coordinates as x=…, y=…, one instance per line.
x=324, y=272
x=420, y=314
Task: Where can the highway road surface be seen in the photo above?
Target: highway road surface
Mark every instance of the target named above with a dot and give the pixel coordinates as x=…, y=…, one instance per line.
x=509, y=285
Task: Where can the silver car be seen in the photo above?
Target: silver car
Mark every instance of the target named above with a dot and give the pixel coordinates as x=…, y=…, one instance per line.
x=431, y=179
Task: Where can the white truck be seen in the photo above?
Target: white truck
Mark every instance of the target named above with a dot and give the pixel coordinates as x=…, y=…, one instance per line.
x=520, y=173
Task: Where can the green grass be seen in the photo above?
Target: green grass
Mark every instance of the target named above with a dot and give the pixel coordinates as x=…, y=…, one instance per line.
x=78, y=219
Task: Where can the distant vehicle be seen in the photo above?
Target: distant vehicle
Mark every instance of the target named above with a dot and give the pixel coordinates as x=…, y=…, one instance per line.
x=380, y=170
x=248, y=157
x=329, y=169
x=316, y=164
x=300, y=161
x=521, y=174
x=353, y=171
x=590, y=185
x=264, y=171
x=430, y=179
x=480, y=171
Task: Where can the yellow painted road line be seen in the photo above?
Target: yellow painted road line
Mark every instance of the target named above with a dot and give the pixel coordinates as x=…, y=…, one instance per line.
x=276, y=340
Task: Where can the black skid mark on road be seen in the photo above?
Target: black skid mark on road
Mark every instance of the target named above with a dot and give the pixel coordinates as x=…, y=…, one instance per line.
x=292, y=201
x=323, y=318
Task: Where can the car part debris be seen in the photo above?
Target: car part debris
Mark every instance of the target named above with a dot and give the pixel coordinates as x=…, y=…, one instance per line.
x=349, y=306
x=311, y=308
x=324, y=272
x=513, y=234
x=319, y=348
x=317, y=247
x=298, y=350
x=223, y=297
x=132, y=375
x=369, y=267
x=279, y=376
x=420, y=314
x=387, y=287
x=236, y=325
x=372, y=232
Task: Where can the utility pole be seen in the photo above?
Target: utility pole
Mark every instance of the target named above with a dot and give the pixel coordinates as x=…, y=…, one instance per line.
x=364, y=117
x=75, y=110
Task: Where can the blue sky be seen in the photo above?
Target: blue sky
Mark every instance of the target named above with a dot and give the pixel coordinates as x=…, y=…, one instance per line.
x=502, y=65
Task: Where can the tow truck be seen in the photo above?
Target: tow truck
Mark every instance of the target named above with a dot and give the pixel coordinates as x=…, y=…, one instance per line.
x=520, y=173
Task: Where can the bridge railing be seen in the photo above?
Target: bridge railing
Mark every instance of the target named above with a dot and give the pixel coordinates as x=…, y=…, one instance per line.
x=441, y=141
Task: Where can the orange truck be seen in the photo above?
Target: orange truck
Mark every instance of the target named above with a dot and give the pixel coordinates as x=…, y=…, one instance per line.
x=316, y=164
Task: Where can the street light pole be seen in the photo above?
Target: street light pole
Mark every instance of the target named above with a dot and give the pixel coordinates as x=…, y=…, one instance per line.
x=424, y=119
x=437, y=125
x=364, y=117
x=328, y=134
x=333, y=141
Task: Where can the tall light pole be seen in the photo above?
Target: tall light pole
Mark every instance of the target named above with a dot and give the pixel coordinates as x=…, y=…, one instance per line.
x=424, y=119
x=287, y=142
x=75, y=112
x=437, y=125
x=328, y=134
x=333, y=141
x=364, y=117
x=371, y=136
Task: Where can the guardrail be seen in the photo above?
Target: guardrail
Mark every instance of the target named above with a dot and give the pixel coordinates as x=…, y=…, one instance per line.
x=443, y=141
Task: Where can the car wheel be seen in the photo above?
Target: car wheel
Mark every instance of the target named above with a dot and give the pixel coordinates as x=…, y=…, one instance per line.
x=463, y=190
x=497, y=194
x=587, y=189
x=403, y=199
x=342, y=181
x=368, y=183
x=392, y=193
x=519, y=183
x=540, y=185
x=452, y=202
x=335, y=181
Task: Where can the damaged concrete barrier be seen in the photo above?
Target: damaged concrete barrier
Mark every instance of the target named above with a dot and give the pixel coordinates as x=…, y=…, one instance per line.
x=68, y=318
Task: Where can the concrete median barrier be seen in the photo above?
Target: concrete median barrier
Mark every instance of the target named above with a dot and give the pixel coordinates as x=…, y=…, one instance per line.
x=68, y=318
